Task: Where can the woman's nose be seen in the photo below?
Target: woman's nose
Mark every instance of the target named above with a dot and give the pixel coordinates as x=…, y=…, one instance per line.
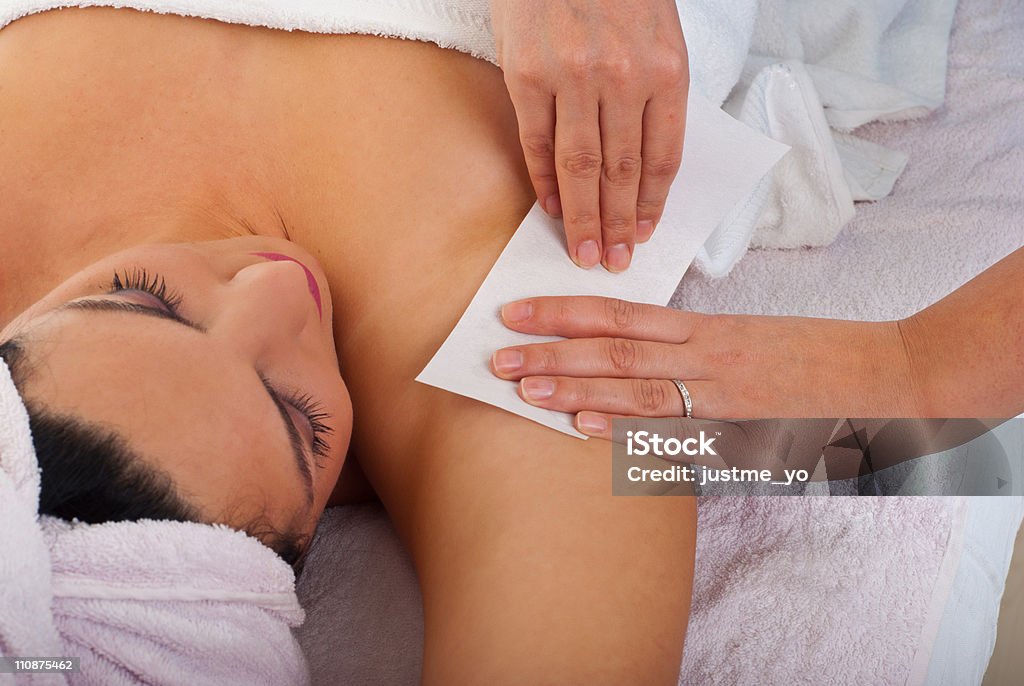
x=267, y=305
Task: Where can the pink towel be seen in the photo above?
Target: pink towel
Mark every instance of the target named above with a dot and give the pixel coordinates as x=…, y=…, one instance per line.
x=782, y=578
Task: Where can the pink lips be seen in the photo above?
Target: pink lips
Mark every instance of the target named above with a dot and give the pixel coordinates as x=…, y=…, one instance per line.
x=314, y=288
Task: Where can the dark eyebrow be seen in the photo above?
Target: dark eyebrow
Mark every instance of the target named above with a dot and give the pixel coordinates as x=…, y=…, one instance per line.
x=114, y=305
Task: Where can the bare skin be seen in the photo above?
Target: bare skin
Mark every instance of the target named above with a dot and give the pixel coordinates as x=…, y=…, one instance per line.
x=960, y=357
x=600, y=93
x=397, y=165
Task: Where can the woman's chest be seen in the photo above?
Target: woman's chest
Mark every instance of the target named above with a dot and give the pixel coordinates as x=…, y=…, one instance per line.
x=396, y=162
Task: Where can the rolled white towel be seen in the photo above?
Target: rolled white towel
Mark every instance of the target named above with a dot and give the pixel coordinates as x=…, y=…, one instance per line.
x=139, y=602
x=805, y=73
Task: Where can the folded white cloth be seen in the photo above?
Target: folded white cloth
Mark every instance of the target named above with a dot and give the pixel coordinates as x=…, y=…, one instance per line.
x=869, y=60
x=804, y=67
x=139, y=602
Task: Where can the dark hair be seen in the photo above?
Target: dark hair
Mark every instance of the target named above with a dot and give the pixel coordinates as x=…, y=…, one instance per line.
x=90, y=474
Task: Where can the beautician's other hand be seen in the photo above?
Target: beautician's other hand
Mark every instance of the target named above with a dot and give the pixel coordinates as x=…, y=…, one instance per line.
x=619, y=359
x=599, y=88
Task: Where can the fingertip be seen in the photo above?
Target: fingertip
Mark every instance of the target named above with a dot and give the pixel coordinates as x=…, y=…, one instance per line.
x=494, y=365
x=644, y=230
x=553, y=206
x=588, y=254
x=536, y=389
x=517, y=312
x=506, y=362
x=593, y=424
x=617, y=257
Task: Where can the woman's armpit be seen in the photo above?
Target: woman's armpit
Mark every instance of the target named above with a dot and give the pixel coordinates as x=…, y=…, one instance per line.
x=531, y=567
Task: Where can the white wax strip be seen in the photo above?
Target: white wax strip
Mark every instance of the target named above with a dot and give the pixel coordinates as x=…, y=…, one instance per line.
x=723, y=161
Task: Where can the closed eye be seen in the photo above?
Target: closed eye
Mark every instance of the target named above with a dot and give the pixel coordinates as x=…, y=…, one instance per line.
x=115, y=304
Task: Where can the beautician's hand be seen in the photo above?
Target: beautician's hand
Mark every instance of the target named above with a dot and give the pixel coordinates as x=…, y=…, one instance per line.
x=599, y=88
x=620, y=357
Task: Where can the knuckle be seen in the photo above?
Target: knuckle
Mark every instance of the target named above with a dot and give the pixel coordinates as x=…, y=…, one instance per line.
x=527, y=77
x=622, y=170
x=672, y=67
x=617, y=227
x=620, y=314
x=624, y=354
x=662, y=165
x=578, y=64
x=581, y=164
x=543, y=177
x=547, y=360
x=539, y=145
x=581, y=221
x=579, y=394
x=650, y=395
x=648, y=207
x=619, y=68
x=562, y=315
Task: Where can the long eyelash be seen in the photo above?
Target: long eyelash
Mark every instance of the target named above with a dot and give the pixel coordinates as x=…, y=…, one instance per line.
x=140, y=280
x=317, y=418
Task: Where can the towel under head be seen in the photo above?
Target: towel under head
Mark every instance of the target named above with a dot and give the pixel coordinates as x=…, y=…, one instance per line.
x=139, y=602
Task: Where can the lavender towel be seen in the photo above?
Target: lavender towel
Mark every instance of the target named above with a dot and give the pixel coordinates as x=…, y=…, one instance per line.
x=138, y=602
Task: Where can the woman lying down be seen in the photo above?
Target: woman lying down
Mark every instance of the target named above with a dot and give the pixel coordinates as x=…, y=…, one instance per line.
x=200, y=221
x=229, y=251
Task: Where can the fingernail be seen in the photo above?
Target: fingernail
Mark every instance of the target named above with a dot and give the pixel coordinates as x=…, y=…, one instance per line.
x=553, y=206
x=588, y=253
x=644, y=230
x=507, y=360
x=616, y=258
x=538, y=389
x=517, y=311
x=590, y=423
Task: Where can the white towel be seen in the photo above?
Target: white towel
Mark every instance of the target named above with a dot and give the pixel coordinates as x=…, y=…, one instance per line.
x=139, y=602
x=804, y=67
x=463, y=25
x=718, y=33
x=26, y=627
x=869, y=60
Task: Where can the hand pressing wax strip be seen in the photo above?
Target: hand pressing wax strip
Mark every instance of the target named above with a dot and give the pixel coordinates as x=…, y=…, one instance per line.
x=723, y=161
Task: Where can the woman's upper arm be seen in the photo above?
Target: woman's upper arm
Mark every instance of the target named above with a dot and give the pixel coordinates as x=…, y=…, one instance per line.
x=531, y=570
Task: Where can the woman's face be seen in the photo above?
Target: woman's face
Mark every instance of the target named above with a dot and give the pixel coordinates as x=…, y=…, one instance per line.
x=214, y=361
